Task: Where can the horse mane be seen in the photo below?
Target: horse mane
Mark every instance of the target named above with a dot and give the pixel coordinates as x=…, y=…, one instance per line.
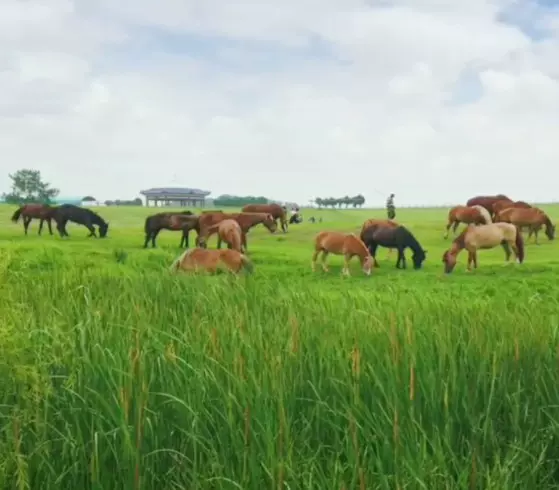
x=460, y=240
x=413, y=243
x=484, y=213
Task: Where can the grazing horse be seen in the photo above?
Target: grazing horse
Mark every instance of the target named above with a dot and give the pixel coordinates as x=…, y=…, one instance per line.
x=82, y=216
x=476, y=215
x=185, y=222
x=387, y=223
x=228, y=231
x=348, y=245
x=201, y=259
x=475, y=238
x=42, y=212
x=275, y=210
x=399, y=238
x=532, y=218
x=246, y=222
x=504, y=204
x=487, y=202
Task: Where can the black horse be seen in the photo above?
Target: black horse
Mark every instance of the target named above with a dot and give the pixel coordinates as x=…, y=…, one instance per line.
x=399, y=238
x=184, y=221
x=82, y=216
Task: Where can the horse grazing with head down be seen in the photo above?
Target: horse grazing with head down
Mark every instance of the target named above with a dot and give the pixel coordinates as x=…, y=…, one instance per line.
x=42, y=212
x=184, y=221
x=399, y=238
x=476, y=215
x=245, y=220
x=228, y=231
x=82, y=216
x=487, y=202
x=348, y=245
x=475, y=238
x=277, y=211
x=212, y=261
x=531, y=218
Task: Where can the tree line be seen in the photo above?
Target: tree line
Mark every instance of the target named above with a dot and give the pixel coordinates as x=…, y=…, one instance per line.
x=355, y=201
x=227, y=200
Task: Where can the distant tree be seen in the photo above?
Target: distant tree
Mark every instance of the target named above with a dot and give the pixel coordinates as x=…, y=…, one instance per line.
x=28, y=186
x=89, y=199
x=239, y=201
x=358, y=200
x=354, y=201
x=319, y=202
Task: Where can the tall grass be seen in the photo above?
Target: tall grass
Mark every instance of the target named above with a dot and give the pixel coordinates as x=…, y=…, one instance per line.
x=123, y=377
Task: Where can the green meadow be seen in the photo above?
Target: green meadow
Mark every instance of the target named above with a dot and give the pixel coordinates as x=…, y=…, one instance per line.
x=115, y=374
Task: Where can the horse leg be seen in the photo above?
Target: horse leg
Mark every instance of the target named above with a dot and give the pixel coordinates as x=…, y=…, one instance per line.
x=91, y=229
x=41, y=223
x=345, y=270
x=244, y=242
x=401, y=259
x=219, y=241
x=373, y=251
x=61, y=227
x=448, y=226
x=456, y=225
x=324, y=256
x=49, y=225
x=26, y=222
x=313, y=260
x=536, y=233
x=146, y=241
x=506, y=247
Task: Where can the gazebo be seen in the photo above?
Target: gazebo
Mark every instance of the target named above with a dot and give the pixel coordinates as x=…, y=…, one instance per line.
x=175, y=196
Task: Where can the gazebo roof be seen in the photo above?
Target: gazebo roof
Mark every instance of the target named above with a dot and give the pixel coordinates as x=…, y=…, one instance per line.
x=174, y=191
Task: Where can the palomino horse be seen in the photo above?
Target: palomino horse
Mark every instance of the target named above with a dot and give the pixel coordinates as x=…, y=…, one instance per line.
x=275, y=210
x=487, y=202
x=399, y=238
x=475, y=238
x=246, y=222
x=82, y=216
x=531, y=218
x=207, y=260
x=327, y=242
x=476, y=215
x=185, y=222
x=42, y=212
x=228, y=231
x=387, y=223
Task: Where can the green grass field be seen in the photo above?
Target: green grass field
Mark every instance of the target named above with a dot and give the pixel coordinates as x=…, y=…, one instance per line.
x=117, y=375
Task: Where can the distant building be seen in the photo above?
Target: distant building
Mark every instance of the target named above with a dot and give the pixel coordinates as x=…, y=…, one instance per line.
x=175, y=197
x=76, y=201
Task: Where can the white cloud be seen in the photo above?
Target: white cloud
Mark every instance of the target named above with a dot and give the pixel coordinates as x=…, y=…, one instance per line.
x=288, y=99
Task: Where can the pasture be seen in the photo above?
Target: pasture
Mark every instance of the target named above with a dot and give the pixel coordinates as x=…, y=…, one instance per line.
x=116, y=374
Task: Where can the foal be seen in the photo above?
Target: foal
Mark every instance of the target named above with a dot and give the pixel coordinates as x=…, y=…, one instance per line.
x=327, y=242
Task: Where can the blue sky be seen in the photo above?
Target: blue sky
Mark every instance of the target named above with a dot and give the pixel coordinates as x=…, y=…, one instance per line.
x=435, y=101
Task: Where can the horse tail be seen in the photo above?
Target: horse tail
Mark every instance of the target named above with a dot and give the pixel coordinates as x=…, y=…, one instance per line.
x=17, y=214
x=519, y=242
x=175, y=265
x=147, y=228
x=484, y=213
x=247, y=264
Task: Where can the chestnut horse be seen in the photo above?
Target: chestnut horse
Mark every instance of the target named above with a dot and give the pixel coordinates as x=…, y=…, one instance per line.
x=246, y=222
x=337, y=243
x=185, y=222
x=202, y=259
x=532, y=218
x=504, y=204
x=487, y=202
x=37, y=211
x=228, y=231
x=275, y=210
x=476, y=215
x=387, y=223
x=475, y=238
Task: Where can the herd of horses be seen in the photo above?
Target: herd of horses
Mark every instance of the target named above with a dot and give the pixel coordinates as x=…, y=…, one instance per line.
x=491, y=221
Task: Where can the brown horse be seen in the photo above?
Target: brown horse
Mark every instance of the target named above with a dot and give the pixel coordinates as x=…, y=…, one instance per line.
x=475, y=238
x=207, y=260
x=476, y=215
x=37, y=211
x=246, y=222
x=487, y=202
x=386, y=223
x=275, y=210
x=327, y=242
x=228, y=231
x=531, y=218
x=185, y=222
x=504, y=204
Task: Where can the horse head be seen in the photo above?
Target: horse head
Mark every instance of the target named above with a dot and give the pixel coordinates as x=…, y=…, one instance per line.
x=449, y=261
x=270, y=223
x=103, y=230
x=550, y=232
x=418, y=258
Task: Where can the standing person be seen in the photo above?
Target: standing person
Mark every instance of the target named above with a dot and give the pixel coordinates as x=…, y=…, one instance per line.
x=390, y=209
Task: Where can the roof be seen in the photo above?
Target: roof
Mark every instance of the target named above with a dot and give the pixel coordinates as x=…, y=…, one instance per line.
x=174, y=191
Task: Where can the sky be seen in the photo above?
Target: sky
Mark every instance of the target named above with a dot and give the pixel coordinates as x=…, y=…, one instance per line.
x=433, y=100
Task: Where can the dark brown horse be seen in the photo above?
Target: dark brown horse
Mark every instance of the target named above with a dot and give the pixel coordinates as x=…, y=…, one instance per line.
x=277, y=211
x=185, y=222
x=42, y=212
x=487, y=202
x=246, y=222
